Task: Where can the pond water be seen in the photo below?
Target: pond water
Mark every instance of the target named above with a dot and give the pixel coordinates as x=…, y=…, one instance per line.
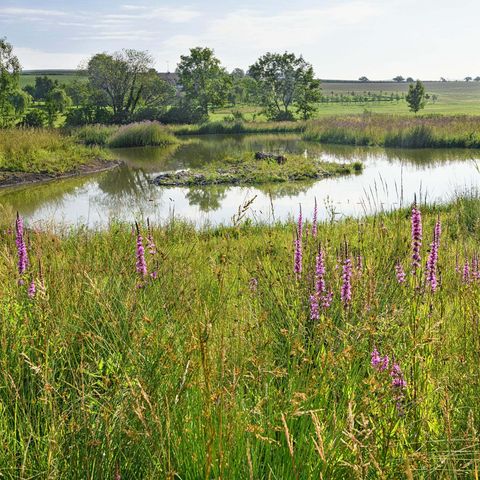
x=390, y=179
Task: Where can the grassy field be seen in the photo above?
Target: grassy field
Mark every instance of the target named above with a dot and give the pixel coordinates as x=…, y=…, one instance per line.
x=199, y=357
x=453, y=98
x=66, y=77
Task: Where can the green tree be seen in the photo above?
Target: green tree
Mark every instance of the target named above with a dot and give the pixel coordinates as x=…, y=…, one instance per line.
x=20, y=100
x=125, y=78
x=284, y=80
x=204, y=81
x=56, y=102
x=9, y=78
x=416, y=96
x=399, y=79
x=308, y=93
x=43, y=86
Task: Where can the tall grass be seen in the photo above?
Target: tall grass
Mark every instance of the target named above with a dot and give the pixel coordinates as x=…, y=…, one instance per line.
x=43, y=151
x=220, y=127
x=397, y=131
x=141, y=134
x=213, y=369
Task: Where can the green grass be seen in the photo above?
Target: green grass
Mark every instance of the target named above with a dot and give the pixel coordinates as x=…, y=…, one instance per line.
x=227, y=127
x=43, y=151
x=245, y=169
x=141, y=134
x=434, y=131
x=205, y=373
x=28, y=78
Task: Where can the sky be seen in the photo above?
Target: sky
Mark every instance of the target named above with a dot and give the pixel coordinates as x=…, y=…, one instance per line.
x=343, y=39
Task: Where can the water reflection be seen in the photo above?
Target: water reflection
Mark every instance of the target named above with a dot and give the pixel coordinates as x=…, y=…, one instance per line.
x=126, y=193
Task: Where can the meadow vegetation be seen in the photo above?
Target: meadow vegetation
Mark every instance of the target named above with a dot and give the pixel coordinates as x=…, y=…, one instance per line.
x=434, y=131
x=254, y=351
x=44, y=152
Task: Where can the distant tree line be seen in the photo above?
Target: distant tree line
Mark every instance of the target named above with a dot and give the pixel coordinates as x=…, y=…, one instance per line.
x=124, y=86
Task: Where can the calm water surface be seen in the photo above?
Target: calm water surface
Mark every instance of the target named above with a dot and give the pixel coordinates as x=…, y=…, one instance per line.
x=390, y=178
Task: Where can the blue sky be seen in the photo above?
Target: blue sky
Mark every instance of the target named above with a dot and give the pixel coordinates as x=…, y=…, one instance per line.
x=342, y=39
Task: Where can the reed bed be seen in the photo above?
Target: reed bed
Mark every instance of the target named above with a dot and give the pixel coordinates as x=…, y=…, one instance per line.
x=299, y=350
x=434, y=131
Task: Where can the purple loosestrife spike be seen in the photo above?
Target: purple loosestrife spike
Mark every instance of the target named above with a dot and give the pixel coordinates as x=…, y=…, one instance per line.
x=346, y=291
x=320, y=273
x=152, y=248
x=433, y=258
x=32, y=290
x=378, y=362
x=140, y=254
x=400, y=273
x=398, y=380
x=466, y=272
x=21, y=247
x=327, y=300
x=416, y=220
x=314, y=222
x=298, y=257
x=314, y=308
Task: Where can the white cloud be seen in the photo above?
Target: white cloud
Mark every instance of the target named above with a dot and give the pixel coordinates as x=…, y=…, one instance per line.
x=33, y=59
x=168, y=14
x=29, y=12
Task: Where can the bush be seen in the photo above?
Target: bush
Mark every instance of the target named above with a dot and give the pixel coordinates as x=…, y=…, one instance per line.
x=87, y=116
x=141, y=135
x=184, y=113
x=35, y=118
x=148, y=113
x=282, y=117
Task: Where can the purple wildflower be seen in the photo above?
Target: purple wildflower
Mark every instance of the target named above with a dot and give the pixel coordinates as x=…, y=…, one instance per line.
x=475, y=272
x=378, y=362
x=298, y=247
x=433, y=258
x=398, y=380
x=253, y=284
x=416, y=220
x=314, y=222
x=152, y=248
x=466, y=272
x=21, y=247
x=346, y=291
x=140, y=252
x=32, y=290
x=327, y=300
x=400, y=273
x=320, y=273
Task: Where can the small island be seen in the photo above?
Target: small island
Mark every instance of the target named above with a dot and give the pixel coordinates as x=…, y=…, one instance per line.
x=257, y=168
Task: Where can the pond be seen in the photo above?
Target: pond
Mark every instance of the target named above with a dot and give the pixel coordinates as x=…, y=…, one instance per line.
x=390, y=179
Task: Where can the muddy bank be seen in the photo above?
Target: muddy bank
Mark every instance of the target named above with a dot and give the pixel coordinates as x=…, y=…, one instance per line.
x=17, y=179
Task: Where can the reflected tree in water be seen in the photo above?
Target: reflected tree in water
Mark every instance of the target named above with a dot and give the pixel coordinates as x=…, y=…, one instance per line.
x=208, y=198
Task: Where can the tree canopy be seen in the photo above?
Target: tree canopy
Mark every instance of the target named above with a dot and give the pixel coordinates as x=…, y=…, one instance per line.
x=416, y=96
x=284, y=80
x=204, y=81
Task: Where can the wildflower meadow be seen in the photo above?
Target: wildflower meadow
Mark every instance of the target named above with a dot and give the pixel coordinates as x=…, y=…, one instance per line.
x=286, y=351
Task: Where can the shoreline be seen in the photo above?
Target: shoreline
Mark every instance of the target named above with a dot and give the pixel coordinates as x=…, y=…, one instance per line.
x=21, y=179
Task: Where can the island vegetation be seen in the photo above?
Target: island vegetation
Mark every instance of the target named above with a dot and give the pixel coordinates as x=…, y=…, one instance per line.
x=249, y=168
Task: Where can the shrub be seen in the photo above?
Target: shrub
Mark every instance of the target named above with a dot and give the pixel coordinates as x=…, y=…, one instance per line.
x=184, y=113
x=35, y=118
x=94, y=134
